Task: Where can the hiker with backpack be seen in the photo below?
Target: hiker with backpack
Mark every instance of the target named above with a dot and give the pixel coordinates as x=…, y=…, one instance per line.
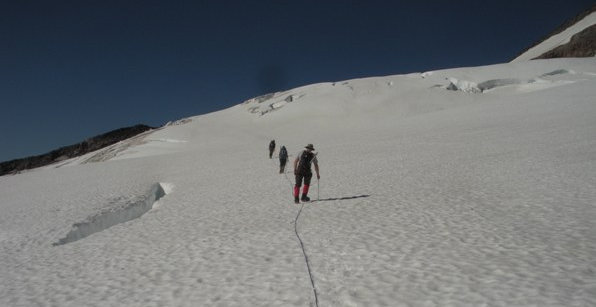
x=271, y=148
x=283, y=158
x=302, y=171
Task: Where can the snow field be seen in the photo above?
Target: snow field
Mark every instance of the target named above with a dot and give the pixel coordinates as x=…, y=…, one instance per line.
x=429, y=197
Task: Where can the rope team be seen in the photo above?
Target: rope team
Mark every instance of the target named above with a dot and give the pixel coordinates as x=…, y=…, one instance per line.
x=302, y=168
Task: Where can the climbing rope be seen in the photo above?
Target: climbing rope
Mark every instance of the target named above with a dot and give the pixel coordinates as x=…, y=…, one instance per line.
x=312, y=281
x=290, y=181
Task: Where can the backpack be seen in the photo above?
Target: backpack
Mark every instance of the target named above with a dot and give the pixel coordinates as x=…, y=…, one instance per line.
x=305, y=161
x=283, y=154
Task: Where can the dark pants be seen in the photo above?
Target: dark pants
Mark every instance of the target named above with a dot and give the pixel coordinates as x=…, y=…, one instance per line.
x=282, y=165
x=299, y=178
x=306, y=177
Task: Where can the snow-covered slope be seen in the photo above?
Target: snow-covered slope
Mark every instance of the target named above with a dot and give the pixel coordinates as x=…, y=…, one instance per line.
x=558, y=39
x=462, y=187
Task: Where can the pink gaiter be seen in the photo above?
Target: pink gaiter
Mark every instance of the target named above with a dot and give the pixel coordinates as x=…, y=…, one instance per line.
x=304, y=190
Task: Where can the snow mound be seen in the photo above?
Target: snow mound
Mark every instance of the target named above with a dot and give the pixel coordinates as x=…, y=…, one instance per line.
x=128, y=211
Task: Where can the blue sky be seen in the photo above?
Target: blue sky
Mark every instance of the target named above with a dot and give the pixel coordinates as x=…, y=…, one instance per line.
x=70, y=70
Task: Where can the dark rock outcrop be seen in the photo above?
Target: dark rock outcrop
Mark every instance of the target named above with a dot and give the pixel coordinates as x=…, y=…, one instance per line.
x=572, y=49
x=582, y=44
x=67, y=152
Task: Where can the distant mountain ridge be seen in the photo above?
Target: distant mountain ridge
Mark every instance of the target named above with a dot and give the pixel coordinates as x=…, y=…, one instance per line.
x=581, y=44
x=71, y=151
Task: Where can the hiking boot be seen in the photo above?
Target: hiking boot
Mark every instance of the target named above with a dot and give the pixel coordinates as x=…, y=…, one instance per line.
x=296, y=200
x=305, y=198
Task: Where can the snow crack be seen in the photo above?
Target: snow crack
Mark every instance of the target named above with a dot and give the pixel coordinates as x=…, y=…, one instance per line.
x=104, y=220
x=529, y=84
x=276, y=102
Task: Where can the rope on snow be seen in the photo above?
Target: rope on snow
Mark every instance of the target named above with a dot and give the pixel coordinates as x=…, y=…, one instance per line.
x=312, y=282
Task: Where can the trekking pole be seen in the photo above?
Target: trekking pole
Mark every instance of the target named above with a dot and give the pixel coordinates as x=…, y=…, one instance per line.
x=318, y=189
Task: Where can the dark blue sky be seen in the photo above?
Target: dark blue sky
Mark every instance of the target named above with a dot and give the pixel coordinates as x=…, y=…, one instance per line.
x=70, y=70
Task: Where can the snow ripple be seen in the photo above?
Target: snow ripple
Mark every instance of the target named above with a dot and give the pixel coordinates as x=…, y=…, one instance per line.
x=104, y=220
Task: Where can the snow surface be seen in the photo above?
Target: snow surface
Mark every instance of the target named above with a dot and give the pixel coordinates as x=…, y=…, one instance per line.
x=557, y=40
x=461, y=187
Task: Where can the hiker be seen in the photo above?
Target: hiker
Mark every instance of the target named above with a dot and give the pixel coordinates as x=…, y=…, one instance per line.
x=283, y=158
x=302, y=171
x=271, y=148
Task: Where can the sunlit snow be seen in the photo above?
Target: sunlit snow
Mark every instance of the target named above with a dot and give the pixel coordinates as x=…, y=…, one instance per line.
x=461, y=187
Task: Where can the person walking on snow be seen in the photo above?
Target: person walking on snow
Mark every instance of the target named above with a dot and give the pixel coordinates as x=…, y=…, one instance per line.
x=283, y=158
x=302, y=171
x=271, y=148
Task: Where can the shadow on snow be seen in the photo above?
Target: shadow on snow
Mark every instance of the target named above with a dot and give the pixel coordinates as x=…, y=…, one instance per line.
x=341, y=198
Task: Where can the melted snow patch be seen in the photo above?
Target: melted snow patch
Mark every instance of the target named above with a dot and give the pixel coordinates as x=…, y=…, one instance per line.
x=558, y=72
x=128, y=211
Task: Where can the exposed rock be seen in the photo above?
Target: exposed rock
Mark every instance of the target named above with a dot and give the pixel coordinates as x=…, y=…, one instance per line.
x=561, y=28
x=582, y=44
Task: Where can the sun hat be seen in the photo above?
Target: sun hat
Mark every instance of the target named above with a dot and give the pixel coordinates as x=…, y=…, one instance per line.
x=309, y=146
